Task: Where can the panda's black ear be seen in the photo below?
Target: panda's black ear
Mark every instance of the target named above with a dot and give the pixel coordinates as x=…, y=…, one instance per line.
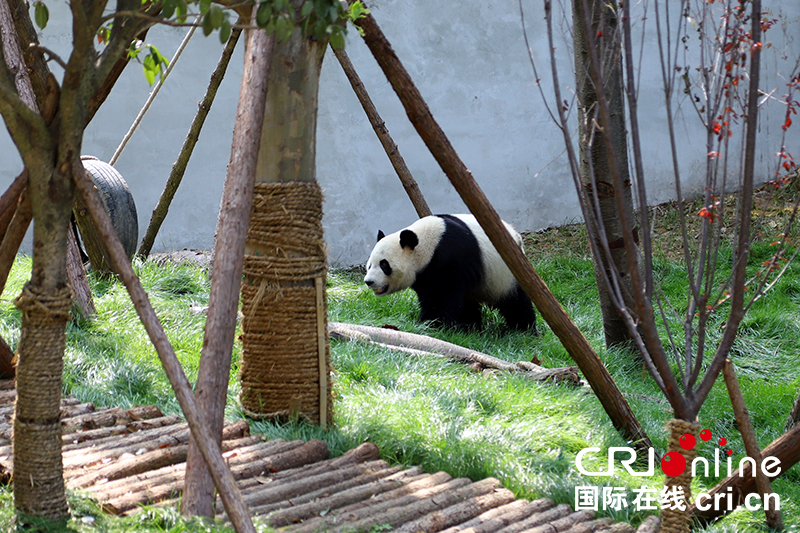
x=408, y=239
x=380, y=235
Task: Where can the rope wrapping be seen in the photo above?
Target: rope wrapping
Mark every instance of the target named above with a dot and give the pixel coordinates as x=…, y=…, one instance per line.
x=285, y=368
x=674, y=520
x=37, y=418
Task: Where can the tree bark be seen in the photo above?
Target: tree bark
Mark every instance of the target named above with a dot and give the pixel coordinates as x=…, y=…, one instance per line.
x=599, y=193
x=237, y=199
x=570, y=336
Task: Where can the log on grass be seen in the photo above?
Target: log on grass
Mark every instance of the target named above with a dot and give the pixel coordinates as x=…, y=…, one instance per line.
x=402, y=514
x=500, y=517
x=651, y=524
x=539, y=518
x=109, y=417
x=426, y=486
x=88, y=438
x=312, y=451
x=416, y=344
x=458, y=513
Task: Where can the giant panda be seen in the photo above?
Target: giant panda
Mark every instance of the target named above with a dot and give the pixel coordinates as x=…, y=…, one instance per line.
x=452, y=266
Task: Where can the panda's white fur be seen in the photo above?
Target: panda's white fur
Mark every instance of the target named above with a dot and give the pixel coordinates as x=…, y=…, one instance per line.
x=451, y=264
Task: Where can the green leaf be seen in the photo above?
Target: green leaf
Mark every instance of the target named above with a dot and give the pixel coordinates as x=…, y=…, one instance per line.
x=182, y=10
x=357, y=10
x=204, y=5
x=208, y=26
x=279, y=5
x=225, y=31
x=216, y=15
x=307, y=9
x=263, y=14
x=168, y=8
x=337, y=40
x=41, y=14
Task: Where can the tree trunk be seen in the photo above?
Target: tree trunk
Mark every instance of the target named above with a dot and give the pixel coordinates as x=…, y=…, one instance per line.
x=285, y=354
x=599, y=194
x=45, y=303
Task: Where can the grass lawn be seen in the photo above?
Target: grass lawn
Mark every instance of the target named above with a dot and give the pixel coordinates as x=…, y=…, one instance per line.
x=439, y=414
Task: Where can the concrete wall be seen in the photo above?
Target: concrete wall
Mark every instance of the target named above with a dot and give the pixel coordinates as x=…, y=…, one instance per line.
x=470, y=63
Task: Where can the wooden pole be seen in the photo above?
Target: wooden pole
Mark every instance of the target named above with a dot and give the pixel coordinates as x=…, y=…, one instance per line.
x=399, y=164
x=223, y=480
x=179, y=167
x=570, y=336
x=750, y=443
x=223, y=305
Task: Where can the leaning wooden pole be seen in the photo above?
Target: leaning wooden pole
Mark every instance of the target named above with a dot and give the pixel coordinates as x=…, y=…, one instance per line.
x=459, y=175
x=223, y=479
x=179, y=167
x=223, y=303
x=399, y=164
x=763, y=485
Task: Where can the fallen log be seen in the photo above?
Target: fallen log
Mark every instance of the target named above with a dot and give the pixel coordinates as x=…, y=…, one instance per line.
x=314, y=502
x=426, y=486
x=537, y=519
x=651, y=524
x=242, y=464
x=414, y=344
x=458, y=513
x=174, y=474
x=401, y=514
x=500, y=517
x=89, y=437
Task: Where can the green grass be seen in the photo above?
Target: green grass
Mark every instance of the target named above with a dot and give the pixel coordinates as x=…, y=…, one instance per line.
x=440, y=414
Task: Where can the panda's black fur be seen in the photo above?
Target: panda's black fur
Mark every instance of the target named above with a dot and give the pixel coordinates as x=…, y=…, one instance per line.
x=451, y=285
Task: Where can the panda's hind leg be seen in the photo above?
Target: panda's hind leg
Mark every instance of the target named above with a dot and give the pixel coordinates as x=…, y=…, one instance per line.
x=518, y=311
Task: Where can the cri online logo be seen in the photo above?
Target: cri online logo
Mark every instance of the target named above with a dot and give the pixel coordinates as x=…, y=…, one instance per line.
x=674, y=464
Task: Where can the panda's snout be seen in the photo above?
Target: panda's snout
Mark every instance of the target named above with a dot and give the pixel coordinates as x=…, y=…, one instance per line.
x=369, y=282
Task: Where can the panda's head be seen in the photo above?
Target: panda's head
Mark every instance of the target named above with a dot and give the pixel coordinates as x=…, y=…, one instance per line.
x=397, y=258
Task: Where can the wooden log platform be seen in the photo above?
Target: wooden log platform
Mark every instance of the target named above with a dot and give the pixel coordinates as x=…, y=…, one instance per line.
x=129, y=457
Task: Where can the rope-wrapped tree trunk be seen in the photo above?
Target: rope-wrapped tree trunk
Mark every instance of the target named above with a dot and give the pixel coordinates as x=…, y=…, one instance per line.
x=285, y=367
x=675, y=515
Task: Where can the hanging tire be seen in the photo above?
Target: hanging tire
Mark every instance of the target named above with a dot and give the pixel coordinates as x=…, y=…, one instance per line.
x=120, y=207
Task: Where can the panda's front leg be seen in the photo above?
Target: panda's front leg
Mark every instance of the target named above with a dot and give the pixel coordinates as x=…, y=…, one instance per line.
x=448, y=308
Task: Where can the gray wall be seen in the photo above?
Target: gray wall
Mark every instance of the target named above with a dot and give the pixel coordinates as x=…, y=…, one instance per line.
x=470, y=63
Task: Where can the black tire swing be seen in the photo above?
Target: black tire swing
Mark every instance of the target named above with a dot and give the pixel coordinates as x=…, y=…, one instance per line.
x=119, y=204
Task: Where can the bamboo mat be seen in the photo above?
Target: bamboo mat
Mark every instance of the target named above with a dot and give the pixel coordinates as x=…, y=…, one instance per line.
x=129, y=457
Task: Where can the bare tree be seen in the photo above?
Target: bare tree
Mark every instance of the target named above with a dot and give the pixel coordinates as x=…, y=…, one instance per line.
x=723, y=88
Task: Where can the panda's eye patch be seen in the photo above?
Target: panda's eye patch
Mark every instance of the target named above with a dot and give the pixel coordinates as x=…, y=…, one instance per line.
x=386, y=267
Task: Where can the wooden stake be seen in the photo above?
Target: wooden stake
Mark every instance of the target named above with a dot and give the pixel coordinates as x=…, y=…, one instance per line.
x=459, y=175
x=399, y=164
x=223, y=480
x=750, y=443
x=223, y=301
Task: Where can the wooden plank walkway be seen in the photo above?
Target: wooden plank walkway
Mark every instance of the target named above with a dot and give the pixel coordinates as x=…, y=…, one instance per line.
x=128, y=457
